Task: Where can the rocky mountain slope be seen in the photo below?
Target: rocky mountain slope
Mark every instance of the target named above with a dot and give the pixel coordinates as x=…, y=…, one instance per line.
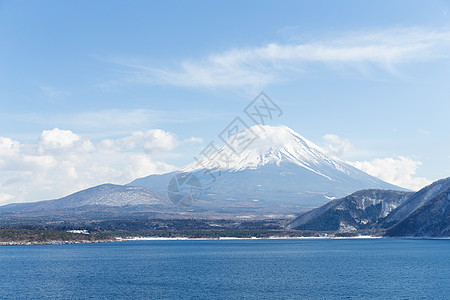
x=432, y=219
x=425, y=213
x=102, y=200
x=361, y=210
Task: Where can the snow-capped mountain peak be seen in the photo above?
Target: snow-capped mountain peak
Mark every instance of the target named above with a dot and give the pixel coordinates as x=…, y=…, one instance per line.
x=268, y=145
x=269, y=168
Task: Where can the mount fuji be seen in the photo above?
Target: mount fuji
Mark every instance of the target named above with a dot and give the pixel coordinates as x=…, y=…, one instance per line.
x=277, y=172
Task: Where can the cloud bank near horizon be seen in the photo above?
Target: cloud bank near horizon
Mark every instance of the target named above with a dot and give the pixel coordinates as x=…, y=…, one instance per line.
x=400, y=170
x=61, y=162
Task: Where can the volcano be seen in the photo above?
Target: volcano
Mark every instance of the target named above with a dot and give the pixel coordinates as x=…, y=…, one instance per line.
x=278, y=171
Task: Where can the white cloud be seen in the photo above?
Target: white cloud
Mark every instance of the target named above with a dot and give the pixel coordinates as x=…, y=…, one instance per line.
x=62, y=162
x=336, y=145
x=399, y=171
x=15, y=156
x=141, y=165
x=151, y=140
x=8, y=147
x=57, y=139
x=5, y=197
x=274, y=62
x=158, y=139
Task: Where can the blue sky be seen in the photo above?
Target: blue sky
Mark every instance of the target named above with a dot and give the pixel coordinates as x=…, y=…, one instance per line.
x=107, y=91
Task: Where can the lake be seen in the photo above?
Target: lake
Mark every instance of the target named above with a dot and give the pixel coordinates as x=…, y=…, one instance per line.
x=230, y=269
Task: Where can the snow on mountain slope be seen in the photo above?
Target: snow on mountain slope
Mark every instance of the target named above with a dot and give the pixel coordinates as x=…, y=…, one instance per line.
x=361, y=210
x=272, y=145
x=102, y=195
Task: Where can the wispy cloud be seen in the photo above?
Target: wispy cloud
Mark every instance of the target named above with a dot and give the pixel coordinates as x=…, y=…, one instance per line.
x=275, y=62
x=112, y=122
x=53, y=93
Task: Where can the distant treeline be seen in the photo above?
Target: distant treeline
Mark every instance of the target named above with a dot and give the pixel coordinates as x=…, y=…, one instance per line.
x=188, y=228
x=46, y=236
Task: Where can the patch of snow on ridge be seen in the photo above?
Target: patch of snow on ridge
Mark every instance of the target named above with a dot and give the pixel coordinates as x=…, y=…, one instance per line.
x=272, y=145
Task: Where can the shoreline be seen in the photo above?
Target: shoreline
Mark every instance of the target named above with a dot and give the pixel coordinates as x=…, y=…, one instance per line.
x=28, y=243
x=118, y=239
x=131, y=239
x=251, y=238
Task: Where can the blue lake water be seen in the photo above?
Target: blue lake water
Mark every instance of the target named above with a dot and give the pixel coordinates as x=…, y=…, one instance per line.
x=229, y=269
